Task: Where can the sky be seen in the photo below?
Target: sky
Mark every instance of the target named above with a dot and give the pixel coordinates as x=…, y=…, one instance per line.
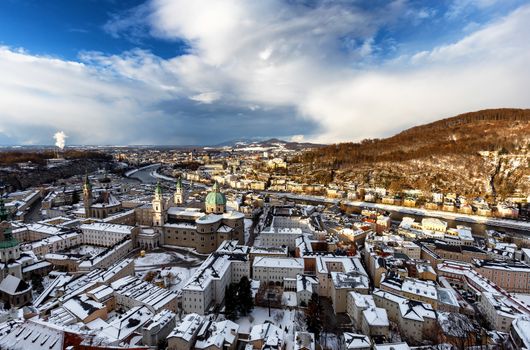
x=180, y=72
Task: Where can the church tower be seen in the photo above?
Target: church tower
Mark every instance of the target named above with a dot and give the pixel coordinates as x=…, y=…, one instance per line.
x=179, y=197
x=158, y=207
x=9, y=246
x=87, y=196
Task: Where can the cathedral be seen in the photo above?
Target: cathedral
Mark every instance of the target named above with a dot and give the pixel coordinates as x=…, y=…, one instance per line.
x=101, y=206
x=193, y=227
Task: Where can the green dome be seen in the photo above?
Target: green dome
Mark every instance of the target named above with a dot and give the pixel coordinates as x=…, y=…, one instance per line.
x=215, y=197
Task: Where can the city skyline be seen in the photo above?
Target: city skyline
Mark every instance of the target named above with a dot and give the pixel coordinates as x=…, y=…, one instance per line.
x=180, y=73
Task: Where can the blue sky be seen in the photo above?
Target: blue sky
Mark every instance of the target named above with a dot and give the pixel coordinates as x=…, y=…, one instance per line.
x=202, y=72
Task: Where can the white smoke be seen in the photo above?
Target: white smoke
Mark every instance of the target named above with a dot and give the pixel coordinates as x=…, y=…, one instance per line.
x=60, y=138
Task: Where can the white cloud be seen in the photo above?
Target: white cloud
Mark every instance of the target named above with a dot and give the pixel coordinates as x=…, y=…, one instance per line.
x=298, y=64
x=250, y=57
x=49, y=94
x=206, y=97
x=297, y=138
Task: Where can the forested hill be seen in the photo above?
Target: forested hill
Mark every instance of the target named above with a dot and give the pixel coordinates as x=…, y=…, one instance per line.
x=439, y=154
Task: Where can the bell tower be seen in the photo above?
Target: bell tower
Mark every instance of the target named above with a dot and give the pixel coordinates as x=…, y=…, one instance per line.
x=87, y=196
x=179, y=197
x=158, y=207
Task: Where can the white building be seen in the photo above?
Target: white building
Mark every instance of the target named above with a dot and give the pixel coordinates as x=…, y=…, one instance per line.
x=416, y=320
x=282, y=270
x=207, y=285
x=305, y=287
x=356, y=304
x=501, y=310
x=106, y=235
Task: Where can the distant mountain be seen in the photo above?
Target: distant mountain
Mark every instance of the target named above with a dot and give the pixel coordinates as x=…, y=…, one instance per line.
x=478, y=153
x=260, y=143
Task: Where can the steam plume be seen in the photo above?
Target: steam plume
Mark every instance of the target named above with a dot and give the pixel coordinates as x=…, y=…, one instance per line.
x=60, y=138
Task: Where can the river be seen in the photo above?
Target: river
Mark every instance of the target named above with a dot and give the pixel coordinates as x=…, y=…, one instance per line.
x=144, y=175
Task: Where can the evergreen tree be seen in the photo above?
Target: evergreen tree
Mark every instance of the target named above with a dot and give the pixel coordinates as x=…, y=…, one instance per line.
x=246, y=302
x=75, y=197
x=231, y=302
x=313, y=315
x=36, y=282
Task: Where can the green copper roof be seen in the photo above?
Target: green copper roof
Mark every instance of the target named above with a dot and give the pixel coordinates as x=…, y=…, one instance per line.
x=158, y=188
x=8, y=243
x=87, y=182
x=179, y=182
x=215, y=197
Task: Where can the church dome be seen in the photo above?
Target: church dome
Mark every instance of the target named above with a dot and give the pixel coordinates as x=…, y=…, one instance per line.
x=215, y=197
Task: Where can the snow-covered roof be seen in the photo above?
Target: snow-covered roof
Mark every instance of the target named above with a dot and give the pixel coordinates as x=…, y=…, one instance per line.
x=362, y=300
x=216, y=334
x=521, y=325
x=94, y=261
x=106, y=227
x=232, y=247
x=392, y=346
x=123, y=326
x=87, y=281
x=376, y=317
x=102, y=292
x=214, y=267
x=306, y=283
x=181, y=225
x=426, y=289
x=144, y=292
x=269, y=333
x=188, y=327
x=13, y=285
x=34, y=334
x=274, y=262
x=82, y=306
x=160, y=319
x=356, y=341
x=46, y=229
x=350, y=280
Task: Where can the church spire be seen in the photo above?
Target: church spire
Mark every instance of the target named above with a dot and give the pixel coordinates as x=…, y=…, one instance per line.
x=179, y=183
x=158, y=189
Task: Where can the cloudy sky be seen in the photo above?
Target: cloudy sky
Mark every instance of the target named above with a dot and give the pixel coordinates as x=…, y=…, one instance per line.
x=203, y=72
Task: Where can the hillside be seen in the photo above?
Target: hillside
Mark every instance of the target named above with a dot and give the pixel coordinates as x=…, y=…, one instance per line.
x=265, y=144
x=477, y=153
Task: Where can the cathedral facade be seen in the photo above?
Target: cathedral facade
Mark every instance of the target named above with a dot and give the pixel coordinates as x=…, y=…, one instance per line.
x=191, y=227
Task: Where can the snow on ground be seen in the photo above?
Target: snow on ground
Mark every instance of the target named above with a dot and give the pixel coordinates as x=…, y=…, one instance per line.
x=153, y=259
x=177, y=277
x=187, y=258
x=189, y=249
x=289, y=299
x=248, y=224
x=293, y=320
x=86, y=250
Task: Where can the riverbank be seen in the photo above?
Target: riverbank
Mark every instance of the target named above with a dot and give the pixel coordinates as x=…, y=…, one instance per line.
x=462, y=219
